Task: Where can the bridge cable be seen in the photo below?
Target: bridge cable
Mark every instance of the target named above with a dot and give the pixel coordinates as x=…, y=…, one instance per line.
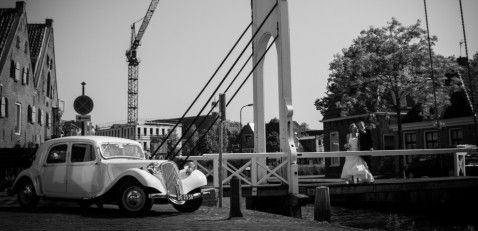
x=225, y=77
x=202, y=90
x=233, y=96
x=215, y=104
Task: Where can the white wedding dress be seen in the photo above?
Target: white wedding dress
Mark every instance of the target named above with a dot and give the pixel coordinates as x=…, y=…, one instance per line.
x=355, y=166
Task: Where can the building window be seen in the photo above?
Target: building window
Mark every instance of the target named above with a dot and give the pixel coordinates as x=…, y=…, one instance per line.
x=28, y=75
x=431, y=139
x=47, y=119
x=18, y=118
x=34, y=115
x=157, y=131
x=334, y=147
x=12, y=69
x=410, y=140
x=139, y=131
x=4, y=107
x=25, y=76
x=17, y=71
x=29, y=114
x=48, y=85
x=39, y=116
x=145, y=131
x=150, y=131
x=18, y=42
x=456, y=137
x=162, y=131
x=388, y=142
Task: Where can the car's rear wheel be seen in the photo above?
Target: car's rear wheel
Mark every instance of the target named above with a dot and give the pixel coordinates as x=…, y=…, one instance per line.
x=188, y=206
x=26, y=194
x=133, y=199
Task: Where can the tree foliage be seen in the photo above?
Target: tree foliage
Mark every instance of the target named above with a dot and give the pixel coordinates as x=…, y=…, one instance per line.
x=210, y=142
x=388, y=69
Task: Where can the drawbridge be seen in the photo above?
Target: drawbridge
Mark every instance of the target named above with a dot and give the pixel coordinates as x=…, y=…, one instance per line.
x=275, y=175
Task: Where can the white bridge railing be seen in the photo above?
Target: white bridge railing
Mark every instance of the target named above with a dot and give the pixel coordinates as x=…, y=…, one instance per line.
x=271, y=169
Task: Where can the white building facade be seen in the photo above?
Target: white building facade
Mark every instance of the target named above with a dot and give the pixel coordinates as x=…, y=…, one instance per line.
x=142, y=132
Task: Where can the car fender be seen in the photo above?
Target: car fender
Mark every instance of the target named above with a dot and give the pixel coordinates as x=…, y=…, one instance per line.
x=195, y=180
x=33, y=175
x=142, y=176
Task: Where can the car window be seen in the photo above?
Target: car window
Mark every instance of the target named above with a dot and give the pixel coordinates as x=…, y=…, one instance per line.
x=57, y=154
x=121, y=150
x=82, y=153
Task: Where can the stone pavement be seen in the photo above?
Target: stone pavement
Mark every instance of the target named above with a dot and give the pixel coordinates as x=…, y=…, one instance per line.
x=69, y=216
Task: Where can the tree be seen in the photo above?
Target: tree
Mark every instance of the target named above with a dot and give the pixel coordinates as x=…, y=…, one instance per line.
x=387, y=69
x=210, y=142
x=272, y=134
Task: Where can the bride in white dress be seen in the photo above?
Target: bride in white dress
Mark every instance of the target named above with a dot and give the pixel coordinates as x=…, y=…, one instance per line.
x=355, y=166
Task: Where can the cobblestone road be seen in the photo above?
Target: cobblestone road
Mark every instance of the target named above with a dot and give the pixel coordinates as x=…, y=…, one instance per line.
x=69, y=216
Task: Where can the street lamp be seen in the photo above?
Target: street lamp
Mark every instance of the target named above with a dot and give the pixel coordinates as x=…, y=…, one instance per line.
x=240, y=123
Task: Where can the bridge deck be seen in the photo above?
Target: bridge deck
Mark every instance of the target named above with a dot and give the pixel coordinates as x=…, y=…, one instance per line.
x=339, y=187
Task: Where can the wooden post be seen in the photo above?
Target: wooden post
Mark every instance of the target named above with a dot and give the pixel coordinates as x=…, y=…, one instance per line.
x=235, y=198
x=322, y=204
x=222, y=110
x=215, y=172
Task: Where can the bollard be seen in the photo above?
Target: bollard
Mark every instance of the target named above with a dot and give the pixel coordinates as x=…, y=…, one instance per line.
x=322, y=204
x=235, y=198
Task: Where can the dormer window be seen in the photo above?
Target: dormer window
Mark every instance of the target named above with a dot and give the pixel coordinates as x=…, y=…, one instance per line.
x=18, y=42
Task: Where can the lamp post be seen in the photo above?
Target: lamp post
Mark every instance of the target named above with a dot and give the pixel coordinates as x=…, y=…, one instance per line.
x=240, y=123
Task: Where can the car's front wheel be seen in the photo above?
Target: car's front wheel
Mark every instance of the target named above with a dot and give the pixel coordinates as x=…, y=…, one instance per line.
x=26, y=194
x=133, y=199
x=188, y=206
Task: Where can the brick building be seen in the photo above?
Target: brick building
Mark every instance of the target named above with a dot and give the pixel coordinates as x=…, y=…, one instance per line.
x=29, y=106
x=455, y=126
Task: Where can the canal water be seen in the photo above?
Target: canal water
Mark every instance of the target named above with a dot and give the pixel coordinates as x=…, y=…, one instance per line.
x=380, y=219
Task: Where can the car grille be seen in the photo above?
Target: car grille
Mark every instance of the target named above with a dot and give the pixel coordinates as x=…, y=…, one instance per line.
x=171, y=178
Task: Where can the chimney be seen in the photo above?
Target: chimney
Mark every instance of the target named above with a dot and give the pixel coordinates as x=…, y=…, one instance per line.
x=20, y=6
x=49, y=22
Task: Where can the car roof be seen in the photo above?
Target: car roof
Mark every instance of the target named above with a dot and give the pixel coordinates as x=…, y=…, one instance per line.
x=96, y=139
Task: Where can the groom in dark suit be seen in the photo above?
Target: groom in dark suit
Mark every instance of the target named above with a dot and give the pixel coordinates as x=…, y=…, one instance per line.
x=365, y=140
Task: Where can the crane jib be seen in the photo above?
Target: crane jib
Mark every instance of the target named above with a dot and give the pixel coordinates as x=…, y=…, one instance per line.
x=149, y=13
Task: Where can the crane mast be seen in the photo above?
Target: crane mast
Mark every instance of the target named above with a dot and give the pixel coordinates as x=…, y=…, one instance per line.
x=133, y=63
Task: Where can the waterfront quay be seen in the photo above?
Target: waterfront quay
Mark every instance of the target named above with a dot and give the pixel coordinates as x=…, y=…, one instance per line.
x=69, y=216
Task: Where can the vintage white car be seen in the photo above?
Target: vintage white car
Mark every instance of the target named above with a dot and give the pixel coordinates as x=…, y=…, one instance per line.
x=96, y=169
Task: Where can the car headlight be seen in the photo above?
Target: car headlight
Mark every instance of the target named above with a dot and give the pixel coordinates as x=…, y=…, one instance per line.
x=154, y=168
x=189, y=167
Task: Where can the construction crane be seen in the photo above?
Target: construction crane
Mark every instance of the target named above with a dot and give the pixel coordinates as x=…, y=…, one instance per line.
x=133, y=63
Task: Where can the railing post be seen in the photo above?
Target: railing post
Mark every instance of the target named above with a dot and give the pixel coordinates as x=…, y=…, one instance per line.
x=254, y=175
x=215, y=169
x=322, y=204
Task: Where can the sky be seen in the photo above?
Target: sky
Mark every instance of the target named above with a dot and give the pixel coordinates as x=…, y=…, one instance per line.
x=187, y=39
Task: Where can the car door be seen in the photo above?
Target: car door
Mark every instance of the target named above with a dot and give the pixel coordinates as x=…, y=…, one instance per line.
x=84, y=174
x=53, y=174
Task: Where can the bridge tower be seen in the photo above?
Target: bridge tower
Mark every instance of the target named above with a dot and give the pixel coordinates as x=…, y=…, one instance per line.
x=276, y=25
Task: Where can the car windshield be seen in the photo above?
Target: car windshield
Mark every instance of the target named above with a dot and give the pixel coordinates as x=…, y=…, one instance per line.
x=121, y=150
